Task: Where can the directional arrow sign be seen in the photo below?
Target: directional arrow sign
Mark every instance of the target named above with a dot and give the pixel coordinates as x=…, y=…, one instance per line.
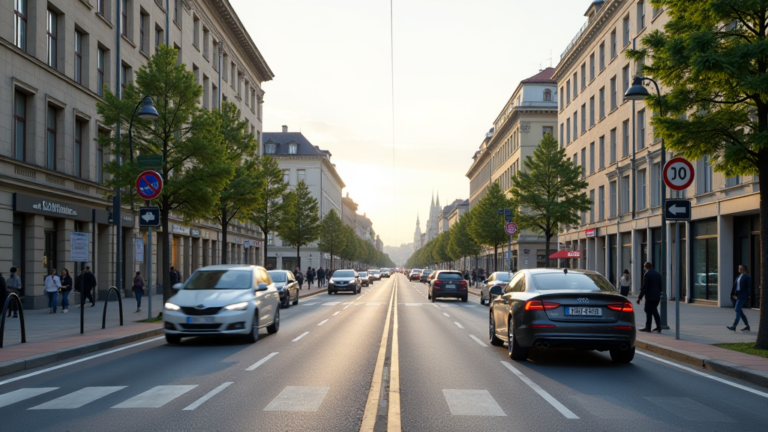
x=678, y=210
x=149, y=216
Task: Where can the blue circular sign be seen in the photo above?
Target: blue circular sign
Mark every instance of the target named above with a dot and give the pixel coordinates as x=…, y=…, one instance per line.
x=149, y=184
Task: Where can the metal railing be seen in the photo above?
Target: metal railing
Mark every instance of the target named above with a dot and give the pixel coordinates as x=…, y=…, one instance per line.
x=12, y=297
x=106, y=301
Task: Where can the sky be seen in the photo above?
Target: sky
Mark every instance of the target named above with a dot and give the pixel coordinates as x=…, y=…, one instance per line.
x=456, y=63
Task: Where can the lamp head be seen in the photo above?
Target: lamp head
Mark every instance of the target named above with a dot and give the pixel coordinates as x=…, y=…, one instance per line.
x=148, y=111
x=638, y=91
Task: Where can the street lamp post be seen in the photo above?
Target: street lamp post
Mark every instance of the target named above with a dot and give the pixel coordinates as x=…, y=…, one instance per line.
x=638, y=92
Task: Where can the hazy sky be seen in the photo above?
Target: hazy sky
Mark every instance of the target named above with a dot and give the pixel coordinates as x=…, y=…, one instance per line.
x=456, y=63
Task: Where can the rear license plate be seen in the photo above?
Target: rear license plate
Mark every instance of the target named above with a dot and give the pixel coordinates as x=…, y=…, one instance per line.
x=201, y=320
x=584, y=311
x=450, y=286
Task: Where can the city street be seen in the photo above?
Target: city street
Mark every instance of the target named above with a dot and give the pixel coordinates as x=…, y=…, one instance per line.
x=318, y=371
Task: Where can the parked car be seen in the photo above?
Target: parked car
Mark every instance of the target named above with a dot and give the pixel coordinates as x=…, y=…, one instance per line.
x=385, y=273
x=494, y=286
x=415, y=274
x=223, y=300
x=425, y=275
x=549, y=308
x=287, y=286
x=364, y=281
x=375, y=275
x=344, y=280
x=447, y=283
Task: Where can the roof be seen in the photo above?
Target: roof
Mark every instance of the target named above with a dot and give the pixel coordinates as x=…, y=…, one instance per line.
x=543, y=77
x=229, y=267
x=282, y=139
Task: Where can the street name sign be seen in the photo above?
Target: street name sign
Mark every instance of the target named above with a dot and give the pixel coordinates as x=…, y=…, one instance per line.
x=677, y=210
x=149, y=216
x=678, y=174
x=152, y=161
x=149, y=184
x=511, y=228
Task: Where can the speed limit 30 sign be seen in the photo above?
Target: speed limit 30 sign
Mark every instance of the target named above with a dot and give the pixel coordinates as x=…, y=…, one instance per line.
x=678, y=174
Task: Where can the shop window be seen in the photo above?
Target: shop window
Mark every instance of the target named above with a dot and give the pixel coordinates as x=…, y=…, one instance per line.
x=704, y=260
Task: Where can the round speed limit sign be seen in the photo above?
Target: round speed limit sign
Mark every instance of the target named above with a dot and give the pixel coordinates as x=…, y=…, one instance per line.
x=678, y=174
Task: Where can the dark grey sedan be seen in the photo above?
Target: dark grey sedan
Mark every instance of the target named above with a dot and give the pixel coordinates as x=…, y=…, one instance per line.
x=344, y=280
x=554, y=308
x=287, y=286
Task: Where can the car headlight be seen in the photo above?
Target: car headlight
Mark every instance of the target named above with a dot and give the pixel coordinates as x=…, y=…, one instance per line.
x=237, y=306
x=172, y=307
x=332, y=281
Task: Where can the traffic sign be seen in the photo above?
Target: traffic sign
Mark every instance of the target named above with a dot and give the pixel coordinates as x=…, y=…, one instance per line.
x=678, y=174
x=149, y=184
x=508, y=215
x=149, y=216
x=677, y=210
x=151, y=161
x=511, y=228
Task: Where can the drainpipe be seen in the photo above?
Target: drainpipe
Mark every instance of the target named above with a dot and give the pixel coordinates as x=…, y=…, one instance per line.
x=167, y=22
x=634, y=133
x=117, y=202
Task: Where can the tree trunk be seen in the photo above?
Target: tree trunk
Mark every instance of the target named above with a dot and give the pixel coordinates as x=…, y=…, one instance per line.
x=266, y=235
x=495, y=257
x=298, y=257
x=224, y=226
x=762, y=330
x=548, y=236
x=164, y=213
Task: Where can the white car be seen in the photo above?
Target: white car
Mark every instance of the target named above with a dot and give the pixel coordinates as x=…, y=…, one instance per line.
x=223, y=300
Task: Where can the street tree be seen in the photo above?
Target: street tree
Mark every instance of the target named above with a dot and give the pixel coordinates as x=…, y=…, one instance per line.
x=270, y=205
x=711, y=59
x=350, y=251
x=194, y=167
x=461, y=243
x=332, y=238
x=549, y=192
x=300, y=224
x=486, y=226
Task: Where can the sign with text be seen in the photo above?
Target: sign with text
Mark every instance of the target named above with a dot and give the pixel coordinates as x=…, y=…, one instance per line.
x=79, y=246
x=138, y=250
x=592, y=232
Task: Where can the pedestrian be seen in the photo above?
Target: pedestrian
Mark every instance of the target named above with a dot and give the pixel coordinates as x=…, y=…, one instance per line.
x=178, y=277
x=741, y=291
x=52, y=287
x=3, y=290
x=320, y=277
x=625, y=282
x=651, y=290
x=87, y=286
x=466, y=275
x=310, y=278
x=66, y=288
x=14, y=286
x=299, y=277
x=174, y=276
x=474, y=277
x=138, y=290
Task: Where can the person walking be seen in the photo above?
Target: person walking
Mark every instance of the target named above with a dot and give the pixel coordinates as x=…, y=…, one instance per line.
x=14, y=286
x=174, y=276
x=138, y=290
x=625, y=283
x=474, y=277
x=66, y=288
x=3, y=290
x=310, y=278
x=651, y=290
x=741, y=291
x=52, y=287
x=87, y=287
x=299, y=277
x=320, y=277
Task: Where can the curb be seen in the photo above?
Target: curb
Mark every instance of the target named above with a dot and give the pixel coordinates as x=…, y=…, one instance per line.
x=67, y=353
x=723, y=367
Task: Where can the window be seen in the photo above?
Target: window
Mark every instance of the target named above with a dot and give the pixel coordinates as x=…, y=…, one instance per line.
x=100, y=159
x=270, y=148
x=601, y=52
x=158, y=36
x=625, y=194
x=20, y=24
x=575, y=86
x=561, y=135
x=592, y=66
x=583, y=118
x=614, y=95
x=19, y=125
x=601, y=152
x=625, y=138
x=562, y=104
x=656, y=11
x=613, y=145
x=591, y=111
x=568, y=131
x=614, y=43
x=206, y=42
x=224, y=65
x=78, y=150
x=196, y=31
x=52, y=40
x=640, y=15
x=50, y=138
x=656, y=184
x=78, y=57
x=575, y=125
x=292, y=148
x=625, y=28
x=601, y=203
x=143, y=28
x=232, y=72
x=301, y=175
x=625, y=79
x=568, y=92
x=583, y=162
x=546, y=130
x=547, y=95
x=613, y=202
x=215, y=96
x=641, y=189
x=732, y=181
x=124, y=18
x=125, y=75
x=177, y=12
x=286, y=176
x=206, y=92
x=641, y=129
x=270, y=239
x=101, y=8
x=706, y=169
x=601, y=102
x=583, y=76
x=592, y=158
x=100, y=64
x=592, y=206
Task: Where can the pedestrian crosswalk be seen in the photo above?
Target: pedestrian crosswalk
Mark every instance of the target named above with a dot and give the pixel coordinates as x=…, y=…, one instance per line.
x=155, y=397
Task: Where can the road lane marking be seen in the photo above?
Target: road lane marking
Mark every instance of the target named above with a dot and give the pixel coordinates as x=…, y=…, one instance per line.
x=458, y=325
x=446, y=314
x=23, y=394
x=209, y=395
x=336, y=313
x=543, y=393
x=323, y=322
x=331, y=303
x=393, y=415
x=300, y=336
x=472, y=403
x=414, y=304
x=297, y=398
x=260, y=362
x=724, y=381
x=347, y=306
x=10, y=380
x=156, y=397
x=79, y=398
x=476, y=339
x=308, y=304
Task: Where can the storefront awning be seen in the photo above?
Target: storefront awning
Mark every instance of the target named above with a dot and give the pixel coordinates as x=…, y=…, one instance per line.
x=564, y=254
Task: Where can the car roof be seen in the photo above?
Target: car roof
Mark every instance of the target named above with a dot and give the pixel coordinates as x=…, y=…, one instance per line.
x=230, y=267
x=557, y=270
x=279, y=271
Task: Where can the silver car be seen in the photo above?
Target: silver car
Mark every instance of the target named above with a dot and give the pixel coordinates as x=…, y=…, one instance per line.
x=223, y=300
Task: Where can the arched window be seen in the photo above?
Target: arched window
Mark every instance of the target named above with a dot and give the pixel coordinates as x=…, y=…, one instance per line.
x=547, y=95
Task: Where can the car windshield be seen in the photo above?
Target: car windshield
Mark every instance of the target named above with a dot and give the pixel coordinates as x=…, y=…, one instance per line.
x=220, y=279
x=504, y=277
x=344, y=274
x=426, y=272
x=363, y=274
x=450, y=276
x=278, y=276
x=572, y=281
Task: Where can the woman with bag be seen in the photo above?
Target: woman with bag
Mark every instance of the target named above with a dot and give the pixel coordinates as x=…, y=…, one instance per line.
x=625, y=283
x=66, y=288
x=138, y=290
x=52, y=287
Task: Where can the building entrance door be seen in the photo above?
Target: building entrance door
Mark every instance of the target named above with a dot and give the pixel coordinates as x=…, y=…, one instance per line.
x=49, y=252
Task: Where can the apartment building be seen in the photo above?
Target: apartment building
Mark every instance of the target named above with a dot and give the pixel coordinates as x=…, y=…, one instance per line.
x=614, y=143
x=529, y=114
x=59, y=55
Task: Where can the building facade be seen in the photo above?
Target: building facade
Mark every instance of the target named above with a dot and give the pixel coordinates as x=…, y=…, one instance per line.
x=59, y=56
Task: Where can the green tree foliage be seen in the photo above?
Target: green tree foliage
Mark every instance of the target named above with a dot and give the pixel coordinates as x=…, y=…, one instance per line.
x=188, y=137
x=461, y=242
x=350, y=252
x=332, y=236
x=486, y=226
x=712, y=60
x=549, y=192
x=300, y=225
x=270, y=203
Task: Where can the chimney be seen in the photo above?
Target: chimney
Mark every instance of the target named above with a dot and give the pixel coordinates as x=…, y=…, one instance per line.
x=285, y=129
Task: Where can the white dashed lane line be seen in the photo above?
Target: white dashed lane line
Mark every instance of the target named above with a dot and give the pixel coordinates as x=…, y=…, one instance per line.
x=336, y=313
x=543, y=393
x=323, y=322
x=446, y=314
x=458, y=325
x=261, y=362
x=300, y=336
x=476, y=339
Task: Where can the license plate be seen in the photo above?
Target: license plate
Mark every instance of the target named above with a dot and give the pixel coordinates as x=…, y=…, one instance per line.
x=450, y=286
x=201, y=320
x=584, y=311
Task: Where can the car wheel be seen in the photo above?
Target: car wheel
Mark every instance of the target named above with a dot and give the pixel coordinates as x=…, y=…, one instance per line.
x=431, y=297
x=296, y=302
x=516, y=352
x=172, y=339
x=285, y=304
x=495, y=341
x=253, y=336
x=464, y=299
x=622, y=356
x=275, y=326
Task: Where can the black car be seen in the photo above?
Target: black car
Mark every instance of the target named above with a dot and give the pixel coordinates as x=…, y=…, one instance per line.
x=494, y=286
x=287, y=286
x=447, y=284
x=554, y=308
x=425, y=275
x=344, y=280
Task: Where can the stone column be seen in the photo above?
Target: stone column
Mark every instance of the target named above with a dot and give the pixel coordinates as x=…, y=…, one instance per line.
x=33, y=278
x=725, y=264
x=6, y=239
x=64, y=228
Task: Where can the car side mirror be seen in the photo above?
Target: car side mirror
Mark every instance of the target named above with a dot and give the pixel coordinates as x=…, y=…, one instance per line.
x=495, y=290
x=262, y=287
x=178, y=286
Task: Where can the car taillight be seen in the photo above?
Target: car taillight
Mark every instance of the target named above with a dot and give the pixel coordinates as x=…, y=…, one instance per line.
x=438, y=284
x=622, y=328
x=542, y=326
x=533, y=305
x=620, y=307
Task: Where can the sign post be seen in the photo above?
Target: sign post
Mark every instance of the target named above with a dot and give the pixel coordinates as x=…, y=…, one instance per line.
x=511, y=229
x=149, y=185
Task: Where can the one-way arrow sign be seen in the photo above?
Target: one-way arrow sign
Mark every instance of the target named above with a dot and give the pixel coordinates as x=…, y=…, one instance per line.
x=149, y=216
x=678, y=210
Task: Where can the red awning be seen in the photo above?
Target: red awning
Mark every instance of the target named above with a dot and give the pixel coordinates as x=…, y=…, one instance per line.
x=564, y=254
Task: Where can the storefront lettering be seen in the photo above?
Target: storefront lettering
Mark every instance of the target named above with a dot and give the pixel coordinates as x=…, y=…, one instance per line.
x=55, y=208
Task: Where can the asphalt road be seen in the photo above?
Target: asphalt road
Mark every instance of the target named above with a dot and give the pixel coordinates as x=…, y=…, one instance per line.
x=436, y=372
